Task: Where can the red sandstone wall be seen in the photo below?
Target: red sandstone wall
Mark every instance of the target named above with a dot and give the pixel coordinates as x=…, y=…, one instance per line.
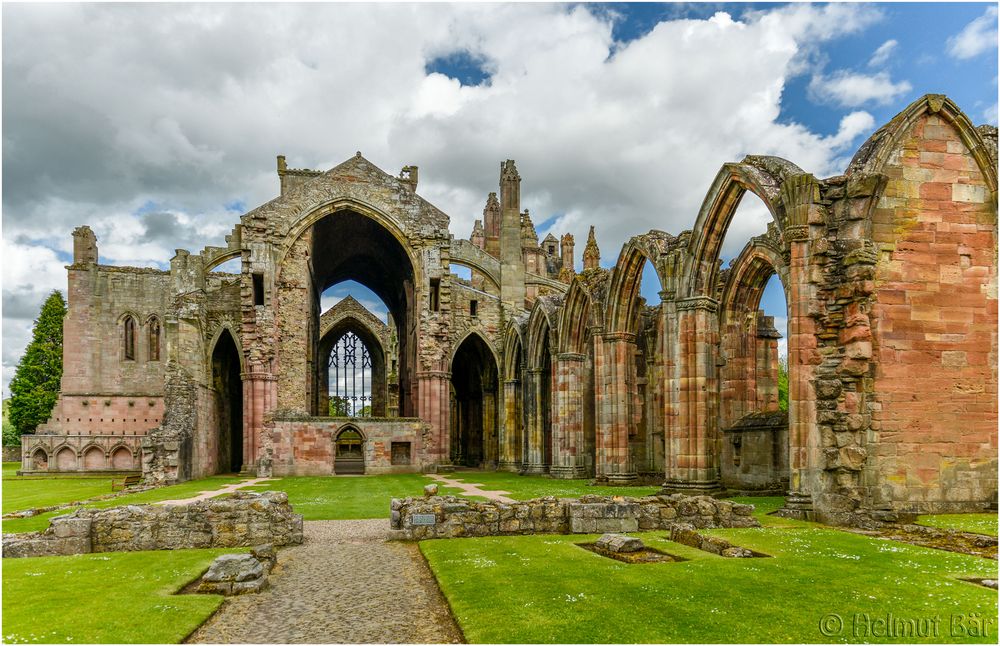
x=935, y=327
x=306, y=447
x=102, y=392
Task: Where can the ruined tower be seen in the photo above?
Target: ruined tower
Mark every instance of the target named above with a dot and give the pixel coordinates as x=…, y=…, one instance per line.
x=512, y=272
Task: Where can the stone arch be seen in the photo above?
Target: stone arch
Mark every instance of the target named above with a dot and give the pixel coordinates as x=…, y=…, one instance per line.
x=128, y=324
x=876, y=152
x=761, y=176
x=575, y=317
x=40, y=459
x=350, y=448
x=122, y=458
x=512, y=430
x=469, y=255
x=542, y=337
x=349, y=316
x=225, y=328
x=226, y=387
x=94, y=458
x=154, y=338
x=627, y=275
x=66, y=459
x=475, y=380
x=484, y=337
x=379, y=256
x=217, y=259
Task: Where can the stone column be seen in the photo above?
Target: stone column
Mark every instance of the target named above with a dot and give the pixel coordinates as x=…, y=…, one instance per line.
x=434, y=397
x=614, y=412
x=567, y=428
x=694, y=442
x=490, y=438
x=800, y=194
x=535, y=449
x=259, y=396
x=511, y=430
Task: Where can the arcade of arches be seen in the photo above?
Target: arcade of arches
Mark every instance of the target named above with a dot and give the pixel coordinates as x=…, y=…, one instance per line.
x=531, y=365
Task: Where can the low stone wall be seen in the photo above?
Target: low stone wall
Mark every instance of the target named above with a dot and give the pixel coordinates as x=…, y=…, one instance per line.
x=453, y=517
x=12, y=453
x=242, y=520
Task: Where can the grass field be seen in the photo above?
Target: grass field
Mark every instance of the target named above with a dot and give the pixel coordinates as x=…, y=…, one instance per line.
x=41, y=521
x=120, y=597
x=528, y=487
x=976, y=523
x=547, y=589
x=345, y=498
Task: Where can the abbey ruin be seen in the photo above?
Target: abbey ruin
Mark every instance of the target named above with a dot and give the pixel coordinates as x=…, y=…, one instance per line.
x=890, y=274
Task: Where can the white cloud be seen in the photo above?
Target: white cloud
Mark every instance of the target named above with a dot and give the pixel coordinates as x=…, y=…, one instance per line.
x=977, y=37
x=852, y=89
x=109, y=109
x=882, y=54
x=990, y=114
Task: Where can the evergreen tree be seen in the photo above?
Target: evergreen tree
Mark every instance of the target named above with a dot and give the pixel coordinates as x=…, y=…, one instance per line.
x=35, y=385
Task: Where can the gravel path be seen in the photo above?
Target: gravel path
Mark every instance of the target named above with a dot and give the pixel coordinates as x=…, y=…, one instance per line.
x=344, y=584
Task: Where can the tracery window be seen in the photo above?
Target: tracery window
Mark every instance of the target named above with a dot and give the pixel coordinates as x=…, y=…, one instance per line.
x=350, y=378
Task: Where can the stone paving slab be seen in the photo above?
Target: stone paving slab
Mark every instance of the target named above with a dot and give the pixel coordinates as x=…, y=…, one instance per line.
x=473, y=489
x=344, y=584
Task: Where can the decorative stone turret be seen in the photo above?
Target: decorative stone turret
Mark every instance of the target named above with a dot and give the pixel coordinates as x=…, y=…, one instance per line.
x=512, y=262
x=591, y=253
x=491, y=220
x=550, y=245
x=567, y=243
x=528, y=236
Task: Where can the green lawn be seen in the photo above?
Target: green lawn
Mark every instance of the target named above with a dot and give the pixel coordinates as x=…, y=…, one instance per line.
x=528, y=487
x=30, y=492
x=342, y=497
x=10, y=469
x=977, y=523
x=179, y=491
x=549, y=590
x=120, y=597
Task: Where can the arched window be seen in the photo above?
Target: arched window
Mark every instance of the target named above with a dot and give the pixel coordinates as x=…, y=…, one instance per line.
x=154, y=339
x=128, y=338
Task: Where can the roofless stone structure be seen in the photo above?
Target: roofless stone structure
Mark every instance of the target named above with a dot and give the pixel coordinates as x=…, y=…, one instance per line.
x=890, y=273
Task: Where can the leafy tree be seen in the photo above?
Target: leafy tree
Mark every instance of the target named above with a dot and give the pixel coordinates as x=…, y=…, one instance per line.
x=340, y=407
x=783, y=383
x=35, y=385
x=10, y=436
x=366, y=411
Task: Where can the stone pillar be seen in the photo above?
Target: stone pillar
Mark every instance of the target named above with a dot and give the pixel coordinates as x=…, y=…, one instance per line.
x=259, y=397
x=800, y=195
x=511, y=430
x=535, y=449
x=567, y=429
x=694, y=442
x=490, y=438
x=434, y=396
x=614, y=464
x=766, y=364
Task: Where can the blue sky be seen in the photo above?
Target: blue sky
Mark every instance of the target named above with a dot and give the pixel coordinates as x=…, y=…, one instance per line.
x=619, y=115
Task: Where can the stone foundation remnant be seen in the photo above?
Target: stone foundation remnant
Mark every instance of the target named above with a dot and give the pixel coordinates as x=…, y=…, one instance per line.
x=685, y=534
x=453, y=517
x=242, y=520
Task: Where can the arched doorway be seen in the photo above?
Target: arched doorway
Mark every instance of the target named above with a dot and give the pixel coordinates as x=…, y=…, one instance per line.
x=227, y=392
x=349, y=452
x=474, y=382
x=345, y=246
